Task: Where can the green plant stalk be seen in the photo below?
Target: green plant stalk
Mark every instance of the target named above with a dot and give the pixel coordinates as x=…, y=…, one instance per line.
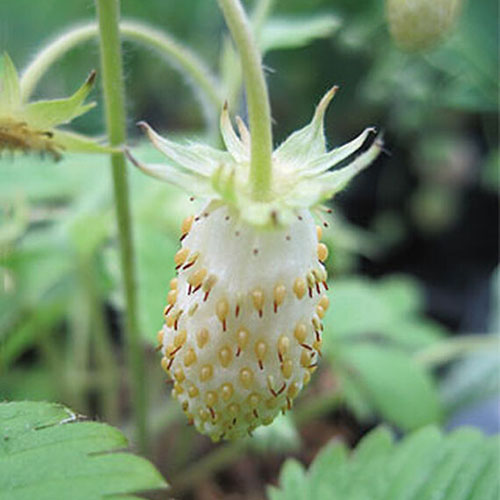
x=108, y=12
x=53, y=358
x=259, y=110
x=233, y=77
x=188, y=62
x=108, y=369
x=260, y=14
x=77, y=355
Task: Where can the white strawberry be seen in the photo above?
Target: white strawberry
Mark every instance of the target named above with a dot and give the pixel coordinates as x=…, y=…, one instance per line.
x=242, y=331
x=420, y=24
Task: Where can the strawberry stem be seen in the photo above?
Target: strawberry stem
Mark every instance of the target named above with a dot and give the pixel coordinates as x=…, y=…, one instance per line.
x=259, y=110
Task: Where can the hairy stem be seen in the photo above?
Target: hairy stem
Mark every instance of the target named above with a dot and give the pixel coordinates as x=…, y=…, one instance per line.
x=233, y=74
x=190, y=64
x=259, y=111
x=260, y=14
x=108, y=12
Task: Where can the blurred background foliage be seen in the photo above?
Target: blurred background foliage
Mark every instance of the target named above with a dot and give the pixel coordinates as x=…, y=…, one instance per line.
x=411, y=337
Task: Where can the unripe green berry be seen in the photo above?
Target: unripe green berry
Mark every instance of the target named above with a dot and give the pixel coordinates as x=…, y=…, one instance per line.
x=420, y=24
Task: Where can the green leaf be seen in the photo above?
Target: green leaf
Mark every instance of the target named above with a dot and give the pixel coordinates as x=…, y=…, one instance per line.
x=279, y=437
x=10, y=94
x=391, y=310
x=398, y=388
x=471, y=380
x=159, y=212
x=47, y=453
x=77, y=143
x=290, y=33
x=48, y=114
x=425, y=465
x=402, y=293
x=41, y=322
x=292, y=475
x=35, y=383
x=74, y=176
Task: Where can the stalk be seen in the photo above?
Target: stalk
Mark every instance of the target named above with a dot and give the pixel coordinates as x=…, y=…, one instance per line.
x=259, y=110
x=206, y=84
x=108, y=12
x=260, y=14
x=107, y=367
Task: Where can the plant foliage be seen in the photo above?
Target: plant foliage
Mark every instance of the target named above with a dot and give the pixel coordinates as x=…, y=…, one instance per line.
x=425, y=465
x=373, y=328
x=47, y=452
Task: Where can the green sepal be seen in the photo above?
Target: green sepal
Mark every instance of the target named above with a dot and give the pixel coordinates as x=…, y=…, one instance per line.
x=49, y=113
x=303, y=175
x=77, y=143
x=10, y=91
x=280, y=33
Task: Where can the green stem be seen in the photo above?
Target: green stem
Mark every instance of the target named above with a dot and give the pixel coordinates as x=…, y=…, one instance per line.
x=53, y=358
x=108, y=368
x=108, y=12
x=77, y=355
x=188, y=62
x=259, y=111
x=260, y=14
x=233, y=76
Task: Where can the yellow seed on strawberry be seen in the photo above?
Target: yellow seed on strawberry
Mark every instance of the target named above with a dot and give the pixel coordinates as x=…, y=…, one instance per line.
x=322, y=252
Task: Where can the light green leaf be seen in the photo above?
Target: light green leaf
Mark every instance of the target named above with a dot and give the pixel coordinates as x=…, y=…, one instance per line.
x=48, y=114
x=160, y=209
x=73, y=176
x=391, y=311
x=425, y=465
x=354, y=397
x=39, y=323
x=35, y=383
x=471, y=380
x=77, y=143
x=293, y=477
x=10, y=94
x=403, y=293
x=279, y=437
x=48, y=454
x=290, y=33
x=399, y=389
